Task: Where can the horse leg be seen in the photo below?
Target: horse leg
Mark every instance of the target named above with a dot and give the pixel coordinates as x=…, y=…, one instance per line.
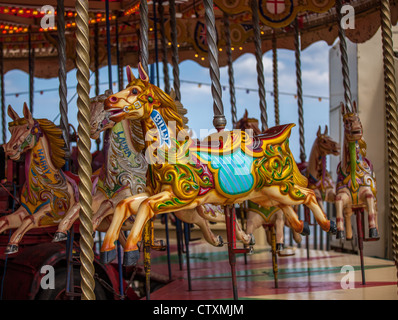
x=66, y=223
x=296, y=236
x=104, y=211
x=341, y=201
x=319, y=214
x=124, y=209
x=146, y=211
x=372, y=214
x=192, y=216
x=279, y=232
x=30, y=222
x=13, y=220
x=348, y=225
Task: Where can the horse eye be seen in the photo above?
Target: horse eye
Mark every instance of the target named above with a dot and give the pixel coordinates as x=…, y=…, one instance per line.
x=27, y=128
x=134, y=91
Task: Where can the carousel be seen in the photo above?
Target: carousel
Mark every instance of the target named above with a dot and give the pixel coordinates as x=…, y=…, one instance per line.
x=158, y=214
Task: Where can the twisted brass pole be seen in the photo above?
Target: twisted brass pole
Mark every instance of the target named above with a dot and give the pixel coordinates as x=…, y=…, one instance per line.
x=227, y=33
x=297, y=52
x=219, y=120
x=63, y=90
x=144, y=54
x=174, y=49
x=166, y=79
x=31, y=71
x=344, y=58
x=275, y=78
x=84, y=146
x=392, y=121
x=260, y=66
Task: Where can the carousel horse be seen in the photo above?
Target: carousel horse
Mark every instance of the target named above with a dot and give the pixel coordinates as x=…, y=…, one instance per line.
x=47, y=193
x=125, y=163
x=319, y=179
x=225, y=169
x=356, y=181
x=112, y=183
x=266, y=217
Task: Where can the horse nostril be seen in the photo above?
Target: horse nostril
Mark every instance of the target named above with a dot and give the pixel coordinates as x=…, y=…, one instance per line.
x=113, y=99
x=15, y=147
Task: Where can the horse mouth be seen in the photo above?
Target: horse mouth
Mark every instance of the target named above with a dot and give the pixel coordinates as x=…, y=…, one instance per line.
x=14, y=156
x=115, y=114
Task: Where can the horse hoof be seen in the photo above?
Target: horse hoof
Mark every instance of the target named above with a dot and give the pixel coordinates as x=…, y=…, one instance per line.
x=306, y=229
x=279, y=247
x=220, y=241
x=373, y=233
x=252, y=241
x=340, y=234
x=59, y=236
x=131, y=258
x=107, y=256
x=11, y=248
x=333, y=227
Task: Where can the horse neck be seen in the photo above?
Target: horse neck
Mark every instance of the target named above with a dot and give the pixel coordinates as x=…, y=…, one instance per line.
x=316, y=162
x=42, y=153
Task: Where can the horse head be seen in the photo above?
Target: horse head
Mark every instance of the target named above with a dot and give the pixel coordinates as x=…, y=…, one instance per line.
x=99, y=118
x=24, y=133
x=352, y=124
x=326, y=144
x=247, y=123
x=136, y=101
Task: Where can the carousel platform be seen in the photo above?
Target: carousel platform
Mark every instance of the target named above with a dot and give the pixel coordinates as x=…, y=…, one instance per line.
x=326, y=275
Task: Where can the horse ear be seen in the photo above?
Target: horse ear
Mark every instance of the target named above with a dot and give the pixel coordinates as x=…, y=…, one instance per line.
x=130, y=74
x=26, y=112
x=343, y=110
x=354, y=107
x=12, y=114
x=143, y=74
x=326, y=130
x=246, y=115
x=318, y=133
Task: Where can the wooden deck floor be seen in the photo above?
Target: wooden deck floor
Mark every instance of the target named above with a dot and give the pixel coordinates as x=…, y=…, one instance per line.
x=321, y=277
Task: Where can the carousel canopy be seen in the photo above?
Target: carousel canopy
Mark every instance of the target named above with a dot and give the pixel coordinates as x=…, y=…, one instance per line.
x=33, y=24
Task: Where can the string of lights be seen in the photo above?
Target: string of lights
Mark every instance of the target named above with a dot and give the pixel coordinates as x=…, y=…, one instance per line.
x=199, y=84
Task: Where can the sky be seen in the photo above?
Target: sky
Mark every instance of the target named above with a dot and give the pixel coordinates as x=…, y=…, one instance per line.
x=197, y=99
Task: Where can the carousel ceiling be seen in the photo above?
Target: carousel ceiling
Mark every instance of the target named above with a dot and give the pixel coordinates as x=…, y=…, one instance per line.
x=26, y=21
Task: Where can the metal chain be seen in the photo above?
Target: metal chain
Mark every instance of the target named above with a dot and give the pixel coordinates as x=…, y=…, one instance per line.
x=260, y=66
x=227, y=33
x=84, y=146
x=174, y=49
x=275, y=78
x=63, y=90
x=219, y=120
x=144, y=34
x=392, y=120
x=344, y=58
x=297, y=51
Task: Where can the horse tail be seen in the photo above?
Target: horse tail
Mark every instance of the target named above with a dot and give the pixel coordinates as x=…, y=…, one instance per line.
x=298, y=178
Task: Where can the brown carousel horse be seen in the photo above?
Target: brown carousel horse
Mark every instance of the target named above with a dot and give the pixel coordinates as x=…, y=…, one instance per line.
x=47, y=193
x=183, y=174
x=266, y=217
x=356, y=181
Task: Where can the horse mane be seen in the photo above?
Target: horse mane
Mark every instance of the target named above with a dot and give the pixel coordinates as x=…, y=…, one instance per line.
x=168, y=108
x=57, y=143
